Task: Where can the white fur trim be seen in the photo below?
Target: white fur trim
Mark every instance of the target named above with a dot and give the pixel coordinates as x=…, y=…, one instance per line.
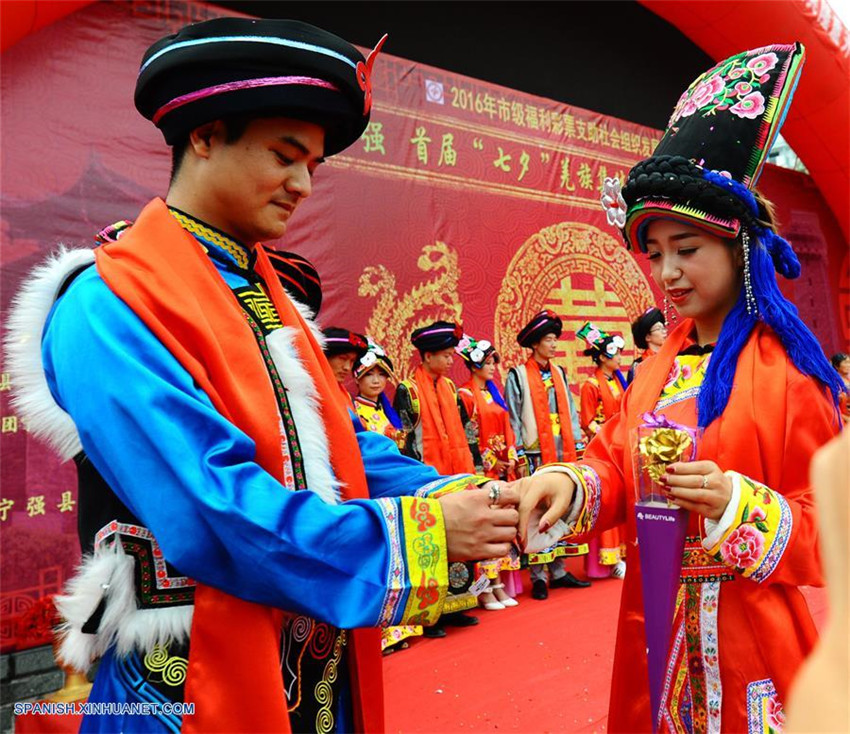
x=309, y=317
x=31, y=397
x=110, y=572
x=305, y=405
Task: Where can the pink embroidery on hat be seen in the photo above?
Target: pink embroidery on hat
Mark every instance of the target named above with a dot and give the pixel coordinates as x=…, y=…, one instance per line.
x=268, y=81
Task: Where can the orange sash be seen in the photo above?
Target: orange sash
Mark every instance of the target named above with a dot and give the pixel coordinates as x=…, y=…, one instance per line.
x=610, y=404
x=160, y=271
x=444, y=444
x=540, y=403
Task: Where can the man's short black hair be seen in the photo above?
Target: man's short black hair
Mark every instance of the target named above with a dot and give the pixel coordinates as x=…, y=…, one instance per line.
x=234, y=127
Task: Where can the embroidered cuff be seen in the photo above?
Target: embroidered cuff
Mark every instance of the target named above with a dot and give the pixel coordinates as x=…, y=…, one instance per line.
x=427, y=560
x=447, y=485
x=755, y=538
x=584, y=510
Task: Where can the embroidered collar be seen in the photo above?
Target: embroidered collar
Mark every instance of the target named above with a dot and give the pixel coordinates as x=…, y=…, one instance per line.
x=212, y=237
x=366, y=401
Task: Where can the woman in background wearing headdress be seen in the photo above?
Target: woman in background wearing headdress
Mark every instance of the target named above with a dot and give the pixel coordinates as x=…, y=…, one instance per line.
x=600, y=400
x=743, y=367
x=487, y=410
x=649, y=331
x=372, y=372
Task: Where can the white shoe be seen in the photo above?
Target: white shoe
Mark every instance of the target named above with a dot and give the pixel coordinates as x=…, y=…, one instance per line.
x=509, y=602
x=490, y=604
x=619, y=570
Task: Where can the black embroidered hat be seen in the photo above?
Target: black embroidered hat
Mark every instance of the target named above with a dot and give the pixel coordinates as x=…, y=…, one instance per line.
x=718, y=138
x=341, y=341
x=545, y=322
x=599, y=343
x=437, y=336
x=243, y=66
x=643, y=324
x=375, y=355
x=298, y=277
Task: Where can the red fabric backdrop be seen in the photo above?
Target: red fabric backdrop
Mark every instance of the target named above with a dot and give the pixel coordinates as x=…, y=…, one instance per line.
x=463, y=200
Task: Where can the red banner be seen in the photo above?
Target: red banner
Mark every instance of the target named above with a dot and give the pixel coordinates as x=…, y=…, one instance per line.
x=463, y=201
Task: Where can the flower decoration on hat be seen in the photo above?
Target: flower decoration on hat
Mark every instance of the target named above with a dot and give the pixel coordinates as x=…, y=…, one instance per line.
x=473, y=351
x=375, y=355
x=600, y=342
x=613, y=202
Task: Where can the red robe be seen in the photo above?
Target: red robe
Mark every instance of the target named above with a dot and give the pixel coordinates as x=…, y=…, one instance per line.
x=495, y=435
x=775, y=420
x=600, y=405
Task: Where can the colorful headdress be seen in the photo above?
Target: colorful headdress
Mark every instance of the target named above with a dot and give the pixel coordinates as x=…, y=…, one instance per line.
x=474, y=352
x=543, y=323
x=375, y=356
x=704, y=173
x=599, y=342
x=437, y=336
x=341, y=341
x=242, y=66
x=710, y=158
x=643, y=324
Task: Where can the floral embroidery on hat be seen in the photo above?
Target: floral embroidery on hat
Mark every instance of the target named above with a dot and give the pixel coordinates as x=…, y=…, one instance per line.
x=730, y=87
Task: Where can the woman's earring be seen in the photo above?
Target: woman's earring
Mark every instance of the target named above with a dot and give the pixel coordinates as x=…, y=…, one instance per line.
x=669, y=312
x=752, y=306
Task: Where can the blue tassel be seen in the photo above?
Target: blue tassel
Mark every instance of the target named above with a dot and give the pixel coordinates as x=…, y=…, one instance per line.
x=389, y=411
x=496, y=393
x=779, y=314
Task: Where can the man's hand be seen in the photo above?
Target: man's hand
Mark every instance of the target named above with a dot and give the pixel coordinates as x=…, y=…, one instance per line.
x=477, y=529
x=552, y=491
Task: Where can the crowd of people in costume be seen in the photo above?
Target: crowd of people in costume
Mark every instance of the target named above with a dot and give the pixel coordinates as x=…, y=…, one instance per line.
x=249, y=526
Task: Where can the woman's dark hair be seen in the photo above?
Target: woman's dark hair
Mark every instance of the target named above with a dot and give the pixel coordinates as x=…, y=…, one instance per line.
x=838, y=358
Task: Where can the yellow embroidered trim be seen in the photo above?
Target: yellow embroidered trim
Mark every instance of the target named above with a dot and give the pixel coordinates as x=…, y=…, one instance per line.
x=755, y=543
x=172, y=667
x=217, y=238
x=324, y=688
x=427, y=559
x=589, y=513
x=459, y=603
x=261, y=306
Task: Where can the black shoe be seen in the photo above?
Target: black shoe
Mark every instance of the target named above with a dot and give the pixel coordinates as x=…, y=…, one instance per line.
x=436, y=631
x=539, y=590
x=568, y=581
x=458, y=619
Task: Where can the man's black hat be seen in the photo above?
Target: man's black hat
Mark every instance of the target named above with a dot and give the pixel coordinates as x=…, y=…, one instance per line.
x=643, y=324
x=437, y=336
x=543, y=323
x=341, y=341
x=298, y=277
x=242, y=66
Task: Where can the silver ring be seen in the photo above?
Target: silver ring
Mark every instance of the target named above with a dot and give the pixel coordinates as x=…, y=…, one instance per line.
x=495, y=493
x=705, y=481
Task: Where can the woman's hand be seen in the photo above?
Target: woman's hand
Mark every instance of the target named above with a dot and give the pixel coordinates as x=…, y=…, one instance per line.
x=699, y=486
x=553, y=491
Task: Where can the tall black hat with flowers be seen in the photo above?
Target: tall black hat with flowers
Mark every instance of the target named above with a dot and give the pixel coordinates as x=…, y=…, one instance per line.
x=704, y=172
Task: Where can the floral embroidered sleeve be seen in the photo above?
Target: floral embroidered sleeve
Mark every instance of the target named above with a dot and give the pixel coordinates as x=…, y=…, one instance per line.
x=754, y=531
x=770, y=533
